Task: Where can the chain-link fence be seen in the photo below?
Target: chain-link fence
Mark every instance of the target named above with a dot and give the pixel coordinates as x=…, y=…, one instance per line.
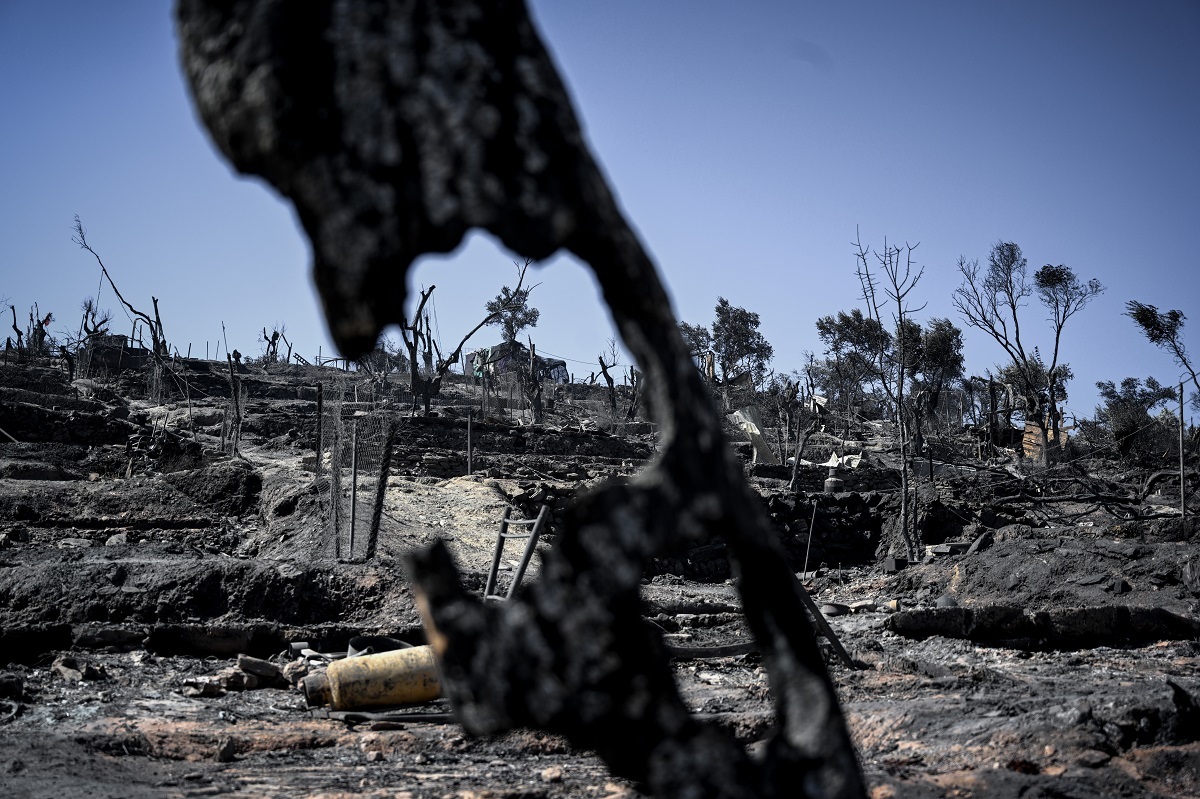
x=354, y=452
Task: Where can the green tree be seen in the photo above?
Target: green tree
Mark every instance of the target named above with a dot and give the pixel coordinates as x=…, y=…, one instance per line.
x=1125, y=421
x=697, y=338
x=738, y=344
x=854, y=343
x=937, y=363
x=1163, y=328
x=510, y=309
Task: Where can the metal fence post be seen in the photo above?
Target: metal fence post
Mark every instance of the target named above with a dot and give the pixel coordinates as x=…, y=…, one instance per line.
x=353, y=483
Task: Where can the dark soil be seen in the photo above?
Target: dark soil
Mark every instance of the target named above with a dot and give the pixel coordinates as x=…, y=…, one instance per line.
x=138, y=560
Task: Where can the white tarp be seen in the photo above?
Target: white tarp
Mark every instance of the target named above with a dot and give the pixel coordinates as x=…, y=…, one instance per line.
x=751, y=424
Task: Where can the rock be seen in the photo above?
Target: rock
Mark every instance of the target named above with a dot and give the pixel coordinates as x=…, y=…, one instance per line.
x=552, y=774
x=92, y=673
x=981, y=543
x=1118, y=585
x=226, y=750
x=238, y=680
x=295, y=671
x=375, y=757
x=1092, y=758
x=832, y=609
x=120, y=539
x=11, y=686
x=74, y=543
x=67, y=668
x=946, y=601
x=259, y=667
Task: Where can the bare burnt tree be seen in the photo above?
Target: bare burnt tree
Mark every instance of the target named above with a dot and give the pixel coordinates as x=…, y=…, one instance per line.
x=419, y=339
x=154, y=325
x=605, y=365
x=397, y=127
x=17, y=329
x=95, y=322
x=894, y=364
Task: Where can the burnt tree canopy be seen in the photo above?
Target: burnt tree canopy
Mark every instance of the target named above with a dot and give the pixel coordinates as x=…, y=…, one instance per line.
x=396, y=127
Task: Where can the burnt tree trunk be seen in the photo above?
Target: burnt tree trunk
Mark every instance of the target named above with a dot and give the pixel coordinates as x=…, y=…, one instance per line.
x=323, y=73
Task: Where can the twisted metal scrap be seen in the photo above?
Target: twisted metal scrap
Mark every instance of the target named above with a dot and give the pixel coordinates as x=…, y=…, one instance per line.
x=397, y=126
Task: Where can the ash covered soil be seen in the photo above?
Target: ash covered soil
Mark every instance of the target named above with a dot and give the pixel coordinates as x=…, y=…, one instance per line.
x=146, y=575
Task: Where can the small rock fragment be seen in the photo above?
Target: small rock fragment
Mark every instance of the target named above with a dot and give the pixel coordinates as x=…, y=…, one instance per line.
x=11, y=686
x=375, y=757
x=295, y=671
x=67, y=668
x=120, y=539
x=226, y=750
x=1092, y=758
x=552, y=774
x=92, y=673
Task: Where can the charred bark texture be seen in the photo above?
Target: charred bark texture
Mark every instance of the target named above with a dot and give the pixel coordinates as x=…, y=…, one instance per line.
x=396, y=127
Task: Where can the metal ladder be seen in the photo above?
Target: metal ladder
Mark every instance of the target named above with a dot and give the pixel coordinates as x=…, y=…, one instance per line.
x=532, y=535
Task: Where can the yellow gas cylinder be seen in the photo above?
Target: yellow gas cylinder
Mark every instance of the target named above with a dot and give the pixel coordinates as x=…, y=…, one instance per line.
x=399, y=677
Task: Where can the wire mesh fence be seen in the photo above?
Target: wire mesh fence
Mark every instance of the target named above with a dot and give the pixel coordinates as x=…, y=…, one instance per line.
x=355, y=439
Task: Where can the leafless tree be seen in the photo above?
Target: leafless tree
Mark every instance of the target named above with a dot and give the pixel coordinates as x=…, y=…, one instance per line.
x=605, y=365
x=155, y=326
x=418, y=338
x=900, y=277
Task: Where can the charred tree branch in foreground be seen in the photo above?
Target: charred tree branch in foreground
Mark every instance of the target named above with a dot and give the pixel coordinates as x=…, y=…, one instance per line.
x=476, y=130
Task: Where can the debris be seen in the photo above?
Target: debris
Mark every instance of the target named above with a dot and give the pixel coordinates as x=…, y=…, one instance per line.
x=202, y=688
x=402, y=676
x=259, y=667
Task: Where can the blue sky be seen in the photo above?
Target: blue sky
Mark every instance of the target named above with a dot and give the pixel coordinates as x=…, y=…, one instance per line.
x=746, y=142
